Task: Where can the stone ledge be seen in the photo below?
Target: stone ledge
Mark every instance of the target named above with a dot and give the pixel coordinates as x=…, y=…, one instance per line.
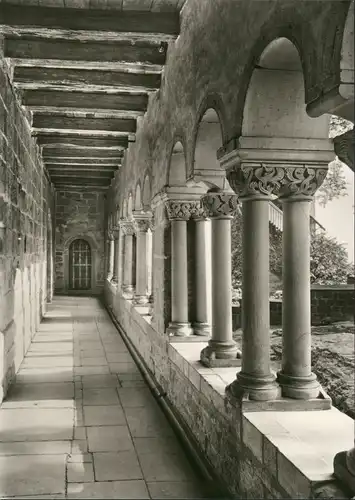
x=300, y=448
x=285, y=453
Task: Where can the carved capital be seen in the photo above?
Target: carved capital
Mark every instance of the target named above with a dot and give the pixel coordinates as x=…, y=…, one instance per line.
x=142, y=225
x=179, y=210
x=344, y=148
x=219, y=204
x=254, y=181
x=128, y=227
x=116, y=233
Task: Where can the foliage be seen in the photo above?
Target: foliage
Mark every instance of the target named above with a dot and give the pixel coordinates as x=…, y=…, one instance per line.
x=329, y=261
x=334, y=185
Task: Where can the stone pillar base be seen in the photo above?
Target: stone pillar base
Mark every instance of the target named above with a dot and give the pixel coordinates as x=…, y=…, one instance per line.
x=203, y=329
x=140, y=300
x=342, y=472
x=179, y=329
x=262, y=388
x=221, y=354
x=299, y=387
x=128, y=291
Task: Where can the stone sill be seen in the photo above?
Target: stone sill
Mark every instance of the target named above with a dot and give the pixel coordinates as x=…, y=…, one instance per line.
x=300, y=444
x=344, y=287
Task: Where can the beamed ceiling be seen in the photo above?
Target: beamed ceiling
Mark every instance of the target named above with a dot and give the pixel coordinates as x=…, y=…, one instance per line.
x=84, y=69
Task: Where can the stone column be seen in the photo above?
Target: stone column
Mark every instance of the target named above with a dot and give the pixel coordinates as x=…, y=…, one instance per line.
x=116, y=235
x=109, y=256
x=221, y=349
x=112, y=254
x=200, y=325
x=254, y=185
x=120, y=256
x=179, y=213
x=142, y=222
x=296, y=377
x=128, y=230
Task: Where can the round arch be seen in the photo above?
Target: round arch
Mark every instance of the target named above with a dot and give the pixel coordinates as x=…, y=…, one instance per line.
x=138, y=205
x=274, y=105
x=147, y=193
x=176, y=172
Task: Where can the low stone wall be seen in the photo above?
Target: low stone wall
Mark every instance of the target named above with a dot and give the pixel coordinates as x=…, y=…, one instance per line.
x=328, y=305
x=246, y=459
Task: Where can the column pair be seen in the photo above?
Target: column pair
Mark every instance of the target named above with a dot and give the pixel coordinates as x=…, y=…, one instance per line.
x=143, y=222
x=128, y=229
x=117, y=253
x=110, y=254
x=256, y=184
x=179, y=213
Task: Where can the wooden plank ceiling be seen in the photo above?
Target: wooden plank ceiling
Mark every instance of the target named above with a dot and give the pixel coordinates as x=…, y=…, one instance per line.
x=84, y=70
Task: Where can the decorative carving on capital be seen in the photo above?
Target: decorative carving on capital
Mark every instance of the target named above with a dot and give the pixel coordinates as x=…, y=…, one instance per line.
x=128, y=227
x=142, y=225
x=266, y=180
x=344, y=145
x=179, y=210
x=219, y=204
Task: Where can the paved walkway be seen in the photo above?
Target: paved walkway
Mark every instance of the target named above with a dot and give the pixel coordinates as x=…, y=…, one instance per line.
x=80, y=421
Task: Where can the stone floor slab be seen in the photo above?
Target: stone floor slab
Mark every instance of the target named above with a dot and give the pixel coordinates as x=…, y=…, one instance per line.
x=103, y=415
x=35, y=448
x=36, y=424
x=100, y=396
x=32, y=474
x=119, y=490
x=80, y=472
x=109, y=438
x=119, y=466
x=144, y=422
x=177, y=490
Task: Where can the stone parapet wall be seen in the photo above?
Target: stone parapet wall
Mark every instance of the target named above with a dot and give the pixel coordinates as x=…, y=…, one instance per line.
x=328, y=305
x=248, y=458
x=25, y=202
x=79, y=214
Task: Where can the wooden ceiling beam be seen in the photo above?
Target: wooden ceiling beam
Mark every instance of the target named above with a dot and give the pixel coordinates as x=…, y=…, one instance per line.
x=88, y=77
x=82, y=153
x=63, y=140
x=93, y=20
x=121, y=101
x=86, y=162
x=93, y=124
x=118, y=51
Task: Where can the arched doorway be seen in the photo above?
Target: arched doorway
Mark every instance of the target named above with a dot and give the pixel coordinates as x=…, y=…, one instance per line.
x=80, y=265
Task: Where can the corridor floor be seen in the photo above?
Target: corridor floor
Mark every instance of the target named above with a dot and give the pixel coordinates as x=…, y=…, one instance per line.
x=80, y=422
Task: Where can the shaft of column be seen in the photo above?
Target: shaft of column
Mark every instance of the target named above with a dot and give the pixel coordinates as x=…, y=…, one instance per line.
x=128, y=287
x=108, y=258
x=179, y=325
x=255, y=378
x=141, y=296
x=112, y=257
x=296, y=377
x=222, y=349
x=201, y=325
x=120, y=258
x=115, y=260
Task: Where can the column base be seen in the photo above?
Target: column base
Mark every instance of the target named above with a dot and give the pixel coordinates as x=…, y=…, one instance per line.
x=221, y=354
x=179, y=329
x=141, y=300
x=299, y=387
x=342, y=472
x=128, y=291
x=202, y=329
x=254, y=387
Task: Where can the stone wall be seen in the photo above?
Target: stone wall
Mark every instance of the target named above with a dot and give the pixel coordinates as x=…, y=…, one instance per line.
x=328, y=305
x=79, y=214
x=26, y=216
x=244, y=458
